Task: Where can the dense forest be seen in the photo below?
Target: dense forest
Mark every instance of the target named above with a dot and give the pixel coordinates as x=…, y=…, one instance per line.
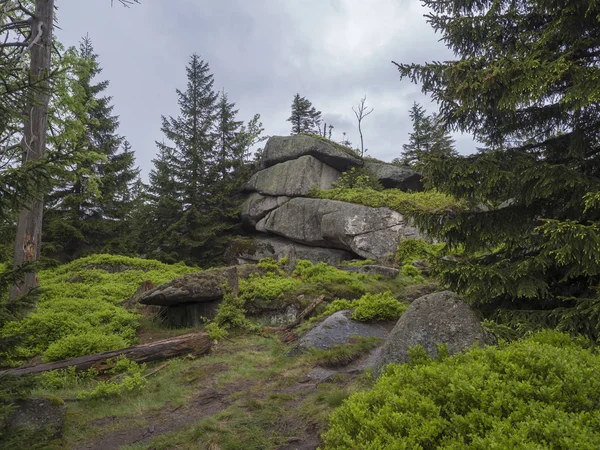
x=91, y=251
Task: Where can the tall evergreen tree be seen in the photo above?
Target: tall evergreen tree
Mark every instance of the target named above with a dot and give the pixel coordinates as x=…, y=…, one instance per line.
x=192, y=160
x=525, y=85
x=87, y=210
x=304, y=118
x=428, y=138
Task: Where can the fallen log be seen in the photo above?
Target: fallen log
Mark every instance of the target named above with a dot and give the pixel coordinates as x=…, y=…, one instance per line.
x=193, y=343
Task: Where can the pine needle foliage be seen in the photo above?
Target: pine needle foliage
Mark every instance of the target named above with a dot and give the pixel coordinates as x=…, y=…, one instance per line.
x=526, y=83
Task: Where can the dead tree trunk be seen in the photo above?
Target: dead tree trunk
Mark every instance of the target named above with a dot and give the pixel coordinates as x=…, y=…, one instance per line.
x=194, y=343
x=29, y=225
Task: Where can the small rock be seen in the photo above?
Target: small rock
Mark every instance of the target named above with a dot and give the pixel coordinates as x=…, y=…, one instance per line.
x=337, y=329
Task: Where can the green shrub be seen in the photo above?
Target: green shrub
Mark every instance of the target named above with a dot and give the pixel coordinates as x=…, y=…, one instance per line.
x=328, y=277
x=66, y=378
x=403, y=202
x=82, y=344
x=357, y=178
x=364, y=262
x=215, y=332
x=411, y=250
x=232, y=315
x=542, y=392
x=266, y=288
x=269, y=265
x=133, y=382
x=84, y=297
x=377, y=307
x=411, y=271
x=338, y=304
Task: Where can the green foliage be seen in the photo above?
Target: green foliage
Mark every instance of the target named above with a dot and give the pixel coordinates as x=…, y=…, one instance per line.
x=357, y=178
x=267, y=288
x=411, y=271
x=429, y=138
x=215, y=332
x=66, y=378
x=381, y=306
x=410, y=250
x=132, y=382
x=304, y=117
x=79, y=307
x=85, y=343
x=403, y=202
x=524, y=85
x=540, y=392
x=342, y=355
x=269, y=265
x=88, y=208
x=359, y=263
x=339, y=304
x=345, y=148
x=232, y=315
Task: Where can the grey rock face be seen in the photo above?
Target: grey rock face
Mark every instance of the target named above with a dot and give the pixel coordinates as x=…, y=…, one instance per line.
x=277, y=248
x=39, y=414
x=438, y=318
x=337, y=329
x=292, y=178
x=369, y=232
x=286, y=148
x=258, y=206
x=395, y=177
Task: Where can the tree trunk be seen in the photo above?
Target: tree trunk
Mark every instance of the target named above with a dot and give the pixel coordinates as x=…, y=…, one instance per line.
x=194, y=343
x=29, y=225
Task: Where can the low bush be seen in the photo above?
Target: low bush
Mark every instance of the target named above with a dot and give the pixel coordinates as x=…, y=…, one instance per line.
x=541, y=392
x=328, y=278
x=357, y=178
x=266, y=288
x=79, y=308
x=411, y=250
x=82, y=344
x=231, y=315
x=403, y=202
x=377, y=307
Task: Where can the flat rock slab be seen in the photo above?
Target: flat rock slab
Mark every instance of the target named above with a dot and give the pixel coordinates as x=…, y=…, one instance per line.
x=285, y=148
x=256, y=206
x=39, y=415
x=372, y=233
x=206, y=286
x=293, y=178
x=337, y=329
x=439, y=318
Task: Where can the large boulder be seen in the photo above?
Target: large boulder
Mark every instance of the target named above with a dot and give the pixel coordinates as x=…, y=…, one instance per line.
x=439, y=318
x=285, y=148
x=372, y=233
x=277, y=247
x=337, y=329
x=293, y=178
x=394, y=177
x=257, y=206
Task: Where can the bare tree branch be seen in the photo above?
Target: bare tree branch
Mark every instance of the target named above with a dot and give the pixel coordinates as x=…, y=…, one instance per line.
x=360, y=115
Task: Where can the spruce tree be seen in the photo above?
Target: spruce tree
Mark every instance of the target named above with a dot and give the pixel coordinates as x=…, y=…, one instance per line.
x=427, y=139
x=304, y=117
x=194, y=160
x=525, y=84
x=87, y=210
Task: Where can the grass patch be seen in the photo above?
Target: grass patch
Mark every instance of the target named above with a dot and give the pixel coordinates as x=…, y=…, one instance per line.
x=403, y=202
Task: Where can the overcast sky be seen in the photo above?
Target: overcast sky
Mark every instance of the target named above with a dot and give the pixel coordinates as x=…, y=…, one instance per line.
x=261, y=52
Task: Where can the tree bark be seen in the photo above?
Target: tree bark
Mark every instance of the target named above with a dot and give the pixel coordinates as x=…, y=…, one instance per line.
x=29, y=224
x=194, y=343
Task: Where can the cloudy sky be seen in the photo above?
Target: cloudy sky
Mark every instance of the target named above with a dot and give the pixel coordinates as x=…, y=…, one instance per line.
x=261, y=52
